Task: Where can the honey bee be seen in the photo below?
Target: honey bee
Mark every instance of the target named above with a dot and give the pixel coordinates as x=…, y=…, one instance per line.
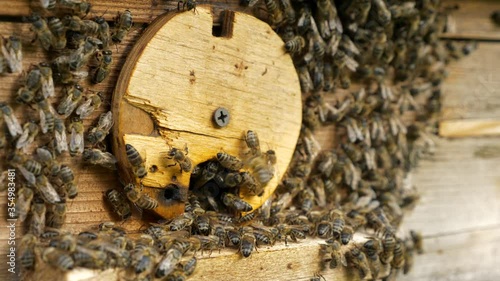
x=98, y=157
x=389, y=244
x=76, y=141
x=189, y=4
x=123, y=25
x=275, y=12
x=85, y=51
x=119, y=204
x=27, y=254
x=229, y=162
x=58, y=259
x=181, y=222
x=136, y=161
x=172, y=257
x=180, y=158
x=295, y=45
x=143, y=260
x=11, y=121
x=75, y=23
x=42, y=31
x=89, y=258
x=101, y=72
x=235, y=203
x=92, y=103
x=23, y=203
x=68, y=179
x=306, y=199
x=327, y=19
x=264, y=234
x=399, y=255
x=103, y=32
x=346, y=234
x=11, y=49
x=57, y=215
x=252, y=141
x=358, y=260
x=418, y=241
x=29, y=168
x=233, y=234
x=373, y=248
x=335, y=258
x=71, y=100
x=62, y=71
x=59, y=31
x=293, y=231
x=47, y=159
x=142, y=200
x=383, y=15
x=247, y=242
x=30, y=131
x=37, y=223
x=78, y=7
x=104, y=125
x=60, y=142
x=47, y=116
x=46, y=190
x=246, y=218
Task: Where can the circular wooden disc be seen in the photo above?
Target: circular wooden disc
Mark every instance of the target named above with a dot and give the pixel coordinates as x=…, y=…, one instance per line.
x=179, y=73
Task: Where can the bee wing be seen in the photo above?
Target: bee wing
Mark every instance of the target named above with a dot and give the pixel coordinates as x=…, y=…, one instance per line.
x=29, y=176
x=109, y=161
x=23, y=140
x=85, y=109
x=351, y=134
x=343, y=260
x=79, y=75
x=333, y=45
x=61, y=142
x=48, y=86
x=13, y=125
x=106, y=121
x=63, y=107
x=13, y=58
x=43, y=121
x=48, y=192
x=76, y=141
x=351, y=63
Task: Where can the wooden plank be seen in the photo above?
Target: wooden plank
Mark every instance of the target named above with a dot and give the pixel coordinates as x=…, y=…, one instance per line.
x=472, y=93
x=472, y=20
x=466, y=256
x=469, y=128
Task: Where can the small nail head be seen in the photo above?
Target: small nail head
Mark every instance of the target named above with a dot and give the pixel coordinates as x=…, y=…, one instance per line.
x=221, y=117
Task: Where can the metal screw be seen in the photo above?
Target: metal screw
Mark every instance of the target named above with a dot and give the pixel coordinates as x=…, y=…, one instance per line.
x=221, y=117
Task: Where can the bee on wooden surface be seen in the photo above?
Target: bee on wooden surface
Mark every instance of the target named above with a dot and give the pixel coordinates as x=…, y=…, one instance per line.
x=189, y=266
x=327, y=19
x=123, y=24
x=143, y=261
x=47, y=116
x=92, y=103
x=78, y=7
x=346, y=234
x=73, y=96
x=136, y=161
x=295, y=45
x=30, y=131
x=306, y=197
x=58, y=259
x=79, y=57
x=56, y=215
x=139, y=198
x=27, y=255
x=246, y=218
x=99, y=132
x=29, y=168
x=101, y=72
x=90, y=258
x=399, y=255
x=306, y=83
x=335, y=257
x=247, y=242
x=76, y=143
x=119, y=204
x=46, y=190
x=181, y=222
x=180, y=158
x=170, y=260
x=23, y=202
x=62, y=71
x=264, y=234
x=75, y=23
x=60, y=142
x=59, y=31
x=357, y=259
x=68, y=179
x=229, y=162
x=47, y=159
x=11, y=50
x=10, y=119
x=42, y=31
x=233, y=235
x=389, y=244
x=262, y=170
x=37, y=223
x=253, y=143
x=235, y=203
x=372, y=249
x=293, y=231
x=103, y=32
x=98, y=157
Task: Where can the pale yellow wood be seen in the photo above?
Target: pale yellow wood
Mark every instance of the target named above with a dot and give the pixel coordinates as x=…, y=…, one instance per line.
x=469, y=128
x=181, y=74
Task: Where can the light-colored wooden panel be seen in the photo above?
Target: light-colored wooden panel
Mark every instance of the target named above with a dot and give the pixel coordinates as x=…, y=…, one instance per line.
x=472, y=89
x=472, y=20
x=468, y=256
x=469, y=128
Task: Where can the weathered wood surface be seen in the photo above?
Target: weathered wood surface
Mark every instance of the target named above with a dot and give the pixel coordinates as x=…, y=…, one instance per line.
x=461, y=245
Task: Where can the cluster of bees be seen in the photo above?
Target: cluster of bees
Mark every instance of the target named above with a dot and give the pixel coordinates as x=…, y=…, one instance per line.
x=391, y=48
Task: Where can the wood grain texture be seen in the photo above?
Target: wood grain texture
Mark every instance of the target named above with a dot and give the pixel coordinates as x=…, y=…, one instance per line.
x=180, y=74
